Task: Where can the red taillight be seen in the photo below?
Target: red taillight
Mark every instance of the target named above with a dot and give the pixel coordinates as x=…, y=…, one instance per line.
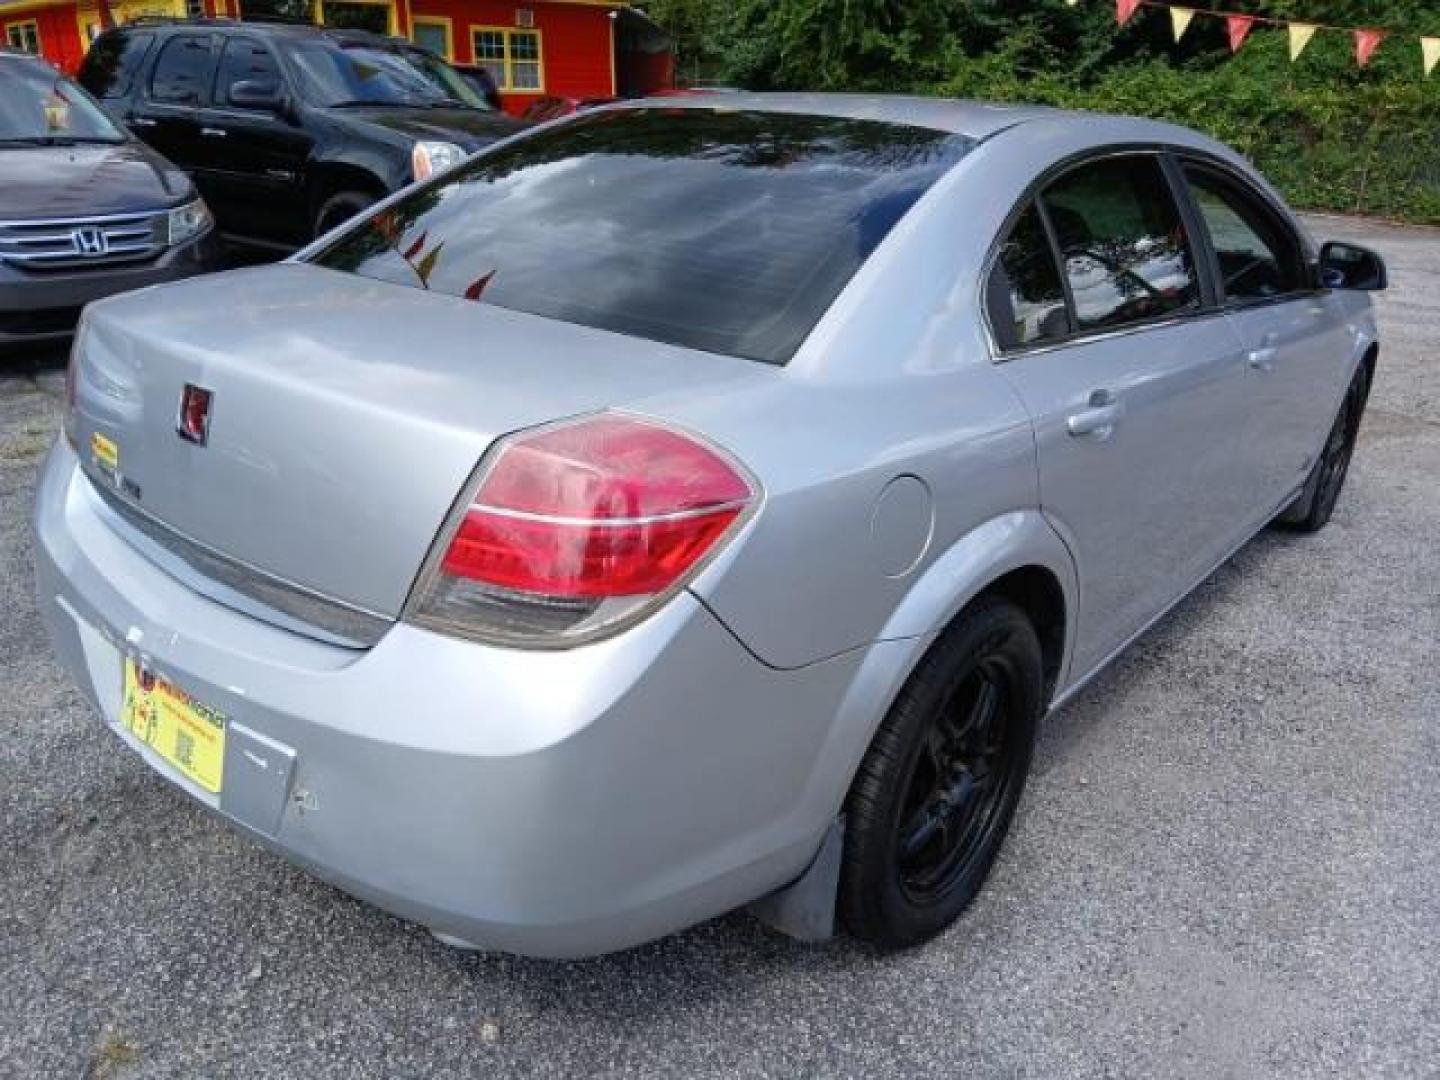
x=577, y=528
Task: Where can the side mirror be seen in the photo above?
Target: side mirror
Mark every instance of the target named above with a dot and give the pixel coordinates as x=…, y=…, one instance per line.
x=249, y=94
x=1350, y=266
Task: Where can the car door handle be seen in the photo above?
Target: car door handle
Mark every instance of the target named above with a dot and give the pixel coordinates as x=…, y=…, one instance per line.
x=141, y=121
x=213, y=133
x=1099, y=418
x=1262, y=359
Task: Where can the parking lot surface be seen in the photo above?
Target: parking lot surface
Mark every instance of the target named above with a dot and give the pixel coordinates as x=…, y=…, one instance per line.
x=1227, y=862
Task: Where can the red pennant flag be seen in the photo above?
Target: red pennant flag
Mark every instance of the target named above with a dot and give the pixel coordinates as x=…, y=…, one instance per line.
x=1366, y=42
x=1125, y=10
x=1238, y=27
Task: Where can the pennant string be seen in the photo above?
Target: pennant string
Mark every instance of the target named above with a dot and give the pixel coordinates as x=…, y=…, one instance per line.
x=1131, y=5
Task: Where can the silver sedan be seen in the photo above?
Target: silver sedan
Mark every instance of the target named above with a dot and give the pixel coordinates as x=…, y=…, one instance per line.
x=690, y=505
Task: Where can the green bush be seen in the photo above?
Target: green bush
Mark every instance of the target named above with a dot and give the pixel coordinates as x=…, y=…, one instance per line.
x=1329, y=135
x=1354, y=145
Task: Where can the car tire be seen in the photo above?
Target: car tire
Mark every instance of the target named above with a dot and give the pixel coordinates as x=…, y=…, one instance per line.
x=1312, y=510
x=951, y=757
x=339, y=208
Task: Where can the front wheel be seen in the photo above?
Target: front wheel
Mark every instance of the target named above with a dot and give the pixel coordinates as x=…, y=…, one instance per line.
x=340, y=208
x=1312, y=511
x=934, y=797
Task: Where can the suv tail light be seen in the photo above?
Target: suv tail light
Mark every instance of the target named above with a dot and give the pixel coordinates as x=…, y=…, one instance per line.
x=578, y=530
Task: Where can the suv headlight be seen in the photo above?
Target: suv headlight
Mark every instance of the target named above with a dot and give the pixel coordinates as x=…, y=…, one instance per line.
x=429, y=158
x=189, y=221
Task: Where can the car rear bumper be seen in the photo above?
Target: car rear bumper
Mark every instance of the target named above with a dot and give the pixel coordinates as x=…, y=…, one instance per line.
x=45, y=306
x=557, y=804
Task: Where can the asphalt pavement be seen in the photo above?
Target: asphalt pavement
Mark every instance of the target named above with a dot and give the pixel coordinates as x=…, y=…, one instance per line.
x=1227, y=863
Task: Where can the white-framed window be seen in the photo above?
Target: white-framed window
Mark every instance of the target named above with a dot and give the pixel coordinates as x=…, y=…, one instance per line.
x=433, y=32
x=513, y=57
x=24, y=36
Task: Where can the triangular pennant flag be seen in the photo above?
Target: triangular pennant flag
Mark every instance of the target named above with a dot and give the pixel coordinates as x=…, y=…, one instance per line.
x=1300, y=35
x=1366, y=42
x=1239, y=27
x=1430, y=53
x=1125, y=10
x=1180, y=20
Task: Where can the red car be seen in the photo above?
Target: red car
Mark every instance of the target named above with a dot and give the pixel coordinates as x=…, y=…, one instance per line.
x=552, y=108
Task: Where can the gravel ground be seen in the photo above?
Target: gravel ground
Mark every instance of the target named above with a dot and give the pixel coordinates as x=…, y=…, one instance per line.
x=1227, y=863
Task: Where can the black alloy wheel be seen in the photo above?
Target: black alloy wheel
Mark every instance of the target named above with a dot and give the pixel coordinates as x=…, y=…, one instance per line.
x=1312, y=511
x=937, y=790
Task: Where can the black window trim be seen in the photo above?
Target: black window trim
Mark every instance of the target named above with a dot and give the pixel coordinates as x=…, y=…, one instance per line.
x=1253, y=194
x=1170, y=157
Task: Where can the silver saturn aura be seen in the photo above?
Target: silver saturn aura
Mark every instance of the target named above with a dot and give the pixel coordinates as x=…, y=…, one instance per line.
x=685, y=506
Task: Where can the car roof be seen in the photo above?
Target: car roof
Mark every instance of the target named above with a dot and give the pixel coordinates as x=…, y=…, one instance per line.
x=256, y=26
x=973, y=119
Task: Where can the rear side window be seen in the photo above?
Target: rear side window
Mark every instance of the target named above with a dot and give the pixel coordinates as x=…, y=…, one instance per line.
x=183, y=70
x=113, y=62
x=245, y=60
x=726, y=231
x=1026, y=298
x=1259, y=256
x=1126, y=256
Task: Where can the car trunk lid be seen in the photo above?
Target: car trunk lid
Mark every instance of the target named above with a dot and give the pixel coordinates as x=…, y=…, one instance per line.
x=345, y=416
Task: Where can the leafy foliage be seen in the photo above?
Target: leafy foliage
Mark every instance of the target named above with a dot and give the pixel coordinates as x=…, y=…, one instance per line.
x=1329, y=134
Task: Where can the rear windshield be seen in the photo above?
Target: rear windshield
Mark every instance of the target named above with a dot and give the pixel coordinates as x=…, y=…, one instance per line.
x=725, y=231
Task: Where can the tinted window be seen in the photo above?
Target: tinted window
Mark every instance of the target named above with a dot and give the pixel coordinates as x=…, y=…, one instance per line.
x=1259, y=257
x=245, y=60
x=39, y=106
x=720, y=230
x=183, y=70
x=113, y=62
x=332, y=74
x=1027, y=301
x=1126, y=255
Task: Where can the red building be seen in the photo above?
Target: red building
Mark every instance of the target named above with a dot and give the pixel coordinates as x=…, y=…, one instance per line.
x=533, y=48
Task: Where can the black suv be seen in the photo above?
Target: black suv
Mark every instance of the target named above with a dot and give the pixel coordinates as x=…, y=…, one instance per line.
x=287, y=129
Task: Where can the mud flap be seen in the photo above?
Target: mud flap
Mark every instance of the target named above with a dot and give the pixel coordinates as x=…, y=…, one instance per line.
x=805, y=909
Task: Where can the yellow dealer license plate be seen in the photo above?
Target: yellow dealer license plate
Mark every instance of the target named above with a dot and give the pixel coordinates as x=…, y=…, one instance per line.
x=187, y=734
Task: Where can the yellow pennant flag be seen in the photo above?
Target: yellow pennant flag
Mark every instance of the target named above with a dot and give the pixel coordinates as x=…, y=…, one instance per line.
x=1180, y=20
x=1430, y=51
x=1300, y=35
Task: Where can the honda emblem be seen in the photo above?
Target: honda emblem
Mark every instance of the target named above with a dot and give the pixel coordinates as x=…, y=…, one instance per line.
x=88, y=240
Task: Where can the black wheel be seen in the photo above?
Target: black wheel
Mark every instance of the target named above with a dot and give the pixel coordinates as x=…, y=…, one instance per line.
x=340, y=208
x=1311, y=512
x=934, y=797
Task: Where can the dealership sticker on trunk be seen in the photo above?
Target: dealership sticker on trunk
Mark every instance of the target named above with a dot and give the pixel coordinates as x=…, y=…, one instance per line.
x=105, y=452
x=187, y=734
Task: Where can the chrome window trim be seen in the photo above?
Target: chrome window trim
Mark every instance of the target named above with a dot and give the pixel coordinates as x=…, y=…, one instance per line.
x=275, y=599
x=1003, y=356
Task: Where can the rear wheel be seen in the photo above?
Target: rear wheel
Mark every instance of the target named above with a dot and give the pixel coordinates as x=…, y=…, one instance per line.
x=1312, y=511
x=339, y=208
x=936, y=792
